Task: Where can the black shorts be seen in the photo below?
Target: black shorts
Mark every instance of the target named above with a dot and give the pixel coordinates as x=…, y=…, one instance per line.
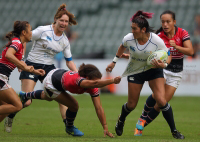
x=31, y=76
x=148, y=75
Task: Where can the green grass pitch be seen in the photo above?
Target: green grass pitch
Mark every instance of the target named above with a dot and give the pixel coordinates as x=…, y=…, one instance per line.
x=41, y=122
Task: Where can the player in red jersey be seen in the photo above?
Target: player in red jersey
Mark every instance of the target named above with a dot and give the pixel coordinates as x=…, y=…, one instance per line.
x=11, y=56
x=178, y=41
x=86, y=80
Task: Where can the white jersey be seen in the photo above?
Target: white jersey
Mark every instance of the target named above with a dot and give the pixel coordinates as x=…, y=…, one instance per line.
x=140, y=53
x=46, y=44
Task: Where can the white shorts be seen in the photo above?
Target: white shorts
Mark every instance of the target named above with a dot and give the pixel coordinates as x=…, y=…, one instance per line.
x=4, y=82
x=173, y=79
x=49, y=89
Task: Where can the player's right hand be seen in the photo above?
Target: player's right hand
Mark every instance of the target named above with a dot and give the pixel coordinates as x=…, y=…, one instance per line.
x=39, y=72
x=107, y=133
x=117, y=80
x=110, y=67
x=29, y=68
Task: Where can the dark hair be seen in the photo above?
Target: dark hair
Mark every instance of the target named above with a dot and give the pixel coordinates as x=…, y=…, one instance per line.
x=18, y=27
x=166, y=12
x=61, y=11
x=90, y=71
x=140, y=18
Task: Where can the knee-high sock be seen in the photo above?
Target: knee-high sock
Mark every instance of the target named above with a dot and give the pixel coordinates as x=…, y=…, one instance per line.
x=70, y=117
x=150, y=102
x=168, y=115
x=34, y=95
x=30, y=95
x=125, y=111
x=151, y=116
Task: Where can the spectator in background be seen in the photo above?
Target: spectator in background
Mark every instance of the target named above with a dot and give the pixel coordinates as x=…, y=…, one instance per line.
x=159, y=1
x=71, y=35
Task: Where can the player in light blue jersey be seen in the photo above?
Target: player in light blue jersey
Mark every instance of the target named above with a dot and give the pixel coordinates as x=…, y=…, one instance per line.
x=47, y=41
x=141, y=43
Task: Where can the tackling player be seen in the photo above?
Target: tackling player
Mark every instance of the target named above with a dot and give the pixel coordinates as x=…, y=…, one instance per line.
x=87, y=79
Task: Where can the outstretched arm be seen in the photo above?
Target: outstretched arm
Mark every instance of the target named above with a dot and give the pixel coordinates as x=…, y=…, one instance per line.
x=101, y=115
x=99, y=83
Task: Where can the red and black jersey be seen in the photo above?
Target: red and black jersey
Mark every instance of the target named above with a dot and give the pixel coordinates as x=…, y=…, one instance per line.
x=180, y=36
x=70, y=81
x=6, y=67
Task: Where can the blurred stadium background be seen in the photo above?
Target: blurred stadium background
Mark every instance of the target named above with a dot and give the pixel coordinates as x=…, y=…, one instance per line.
x=101, y=26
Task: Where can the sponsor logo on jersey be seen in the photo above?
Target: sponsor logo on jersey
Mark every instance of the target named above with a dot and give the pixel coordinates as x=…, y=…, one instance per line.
x=49, y=38
x=139, y=59
x=31, y=76
x=131, y=78
x=147, y=52
x=18, y=41
x=132, y=48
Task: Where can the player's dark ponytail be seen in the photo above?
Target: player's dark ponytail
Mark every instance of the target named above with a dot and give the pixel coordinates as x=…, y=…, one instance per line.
x=18, y=27
x=166, y=12
x=140, y=18
x=89, y=71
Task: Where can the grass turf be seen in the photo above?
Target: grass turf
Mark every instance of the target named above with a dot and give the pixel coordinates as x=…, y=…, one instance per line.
x=41, y=122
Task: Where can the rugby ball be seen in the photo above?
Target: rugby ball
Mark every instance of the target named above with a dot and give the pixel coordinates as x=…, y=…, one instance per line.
x=158, y=55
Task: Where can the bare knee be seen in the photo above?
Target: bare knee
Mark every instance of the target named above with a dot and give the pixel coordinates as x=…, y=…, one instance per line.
x=75, y=107
x=18, y=107
x=161, y=102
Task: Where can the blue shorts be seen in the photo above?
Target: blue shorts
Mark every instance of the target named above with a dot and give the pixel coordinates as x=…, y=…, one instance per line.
x=31, y=76
x=148, y=75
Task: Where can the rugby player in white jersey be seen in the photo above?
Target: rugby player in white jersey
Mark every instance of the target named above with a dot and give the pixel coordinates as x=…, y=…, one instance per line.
x=47, y=41
x=141, y=43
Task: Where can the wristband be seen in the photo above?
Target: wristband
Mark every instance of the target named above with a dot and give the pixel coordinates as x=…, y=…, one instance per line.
x=115, y=59
x=166, y=64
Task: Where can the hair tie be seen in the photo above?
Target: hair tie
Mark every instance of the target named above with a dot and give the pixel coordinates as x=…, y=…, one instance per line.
x=64, y=9
x=141, y=16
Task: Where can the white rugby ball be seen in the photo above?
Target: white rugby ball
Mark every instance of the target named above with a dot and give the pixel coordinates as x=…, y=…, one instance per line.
x=158, y=55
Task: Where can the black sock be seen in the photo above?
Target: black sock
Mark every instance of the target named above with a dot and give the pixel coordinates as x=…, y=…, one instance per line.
x=150, y=102
x=12, y=115
x=70, y=117
x=151, y=116
x=34, y=95
x=125, y=111
x=168, y=115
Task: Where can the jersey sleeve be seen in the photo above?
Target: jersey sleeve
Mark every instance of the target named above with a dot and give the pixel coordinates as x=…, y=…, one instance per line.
x=124, y=42
x=185, y=35
x=94, y=92
x=161, y=44
x=79, y=80
x=16, y=44
x=67, y=53
x=36, y=34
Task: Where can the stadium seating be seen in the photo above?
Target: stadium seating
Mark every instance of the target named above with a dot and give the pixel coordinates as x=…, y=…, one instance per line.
x=101, y=23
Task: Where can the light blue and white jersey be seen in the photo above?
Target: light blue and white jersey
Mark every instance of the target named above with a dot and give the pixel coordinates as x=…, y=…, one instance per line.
x=46, y=44
x=140, y=53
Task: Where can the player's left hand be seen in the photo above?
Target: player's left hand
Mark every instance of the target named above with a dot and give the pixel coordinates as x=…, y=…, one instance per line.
x=158, y=64
x=172, y=43
x=107, y=133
